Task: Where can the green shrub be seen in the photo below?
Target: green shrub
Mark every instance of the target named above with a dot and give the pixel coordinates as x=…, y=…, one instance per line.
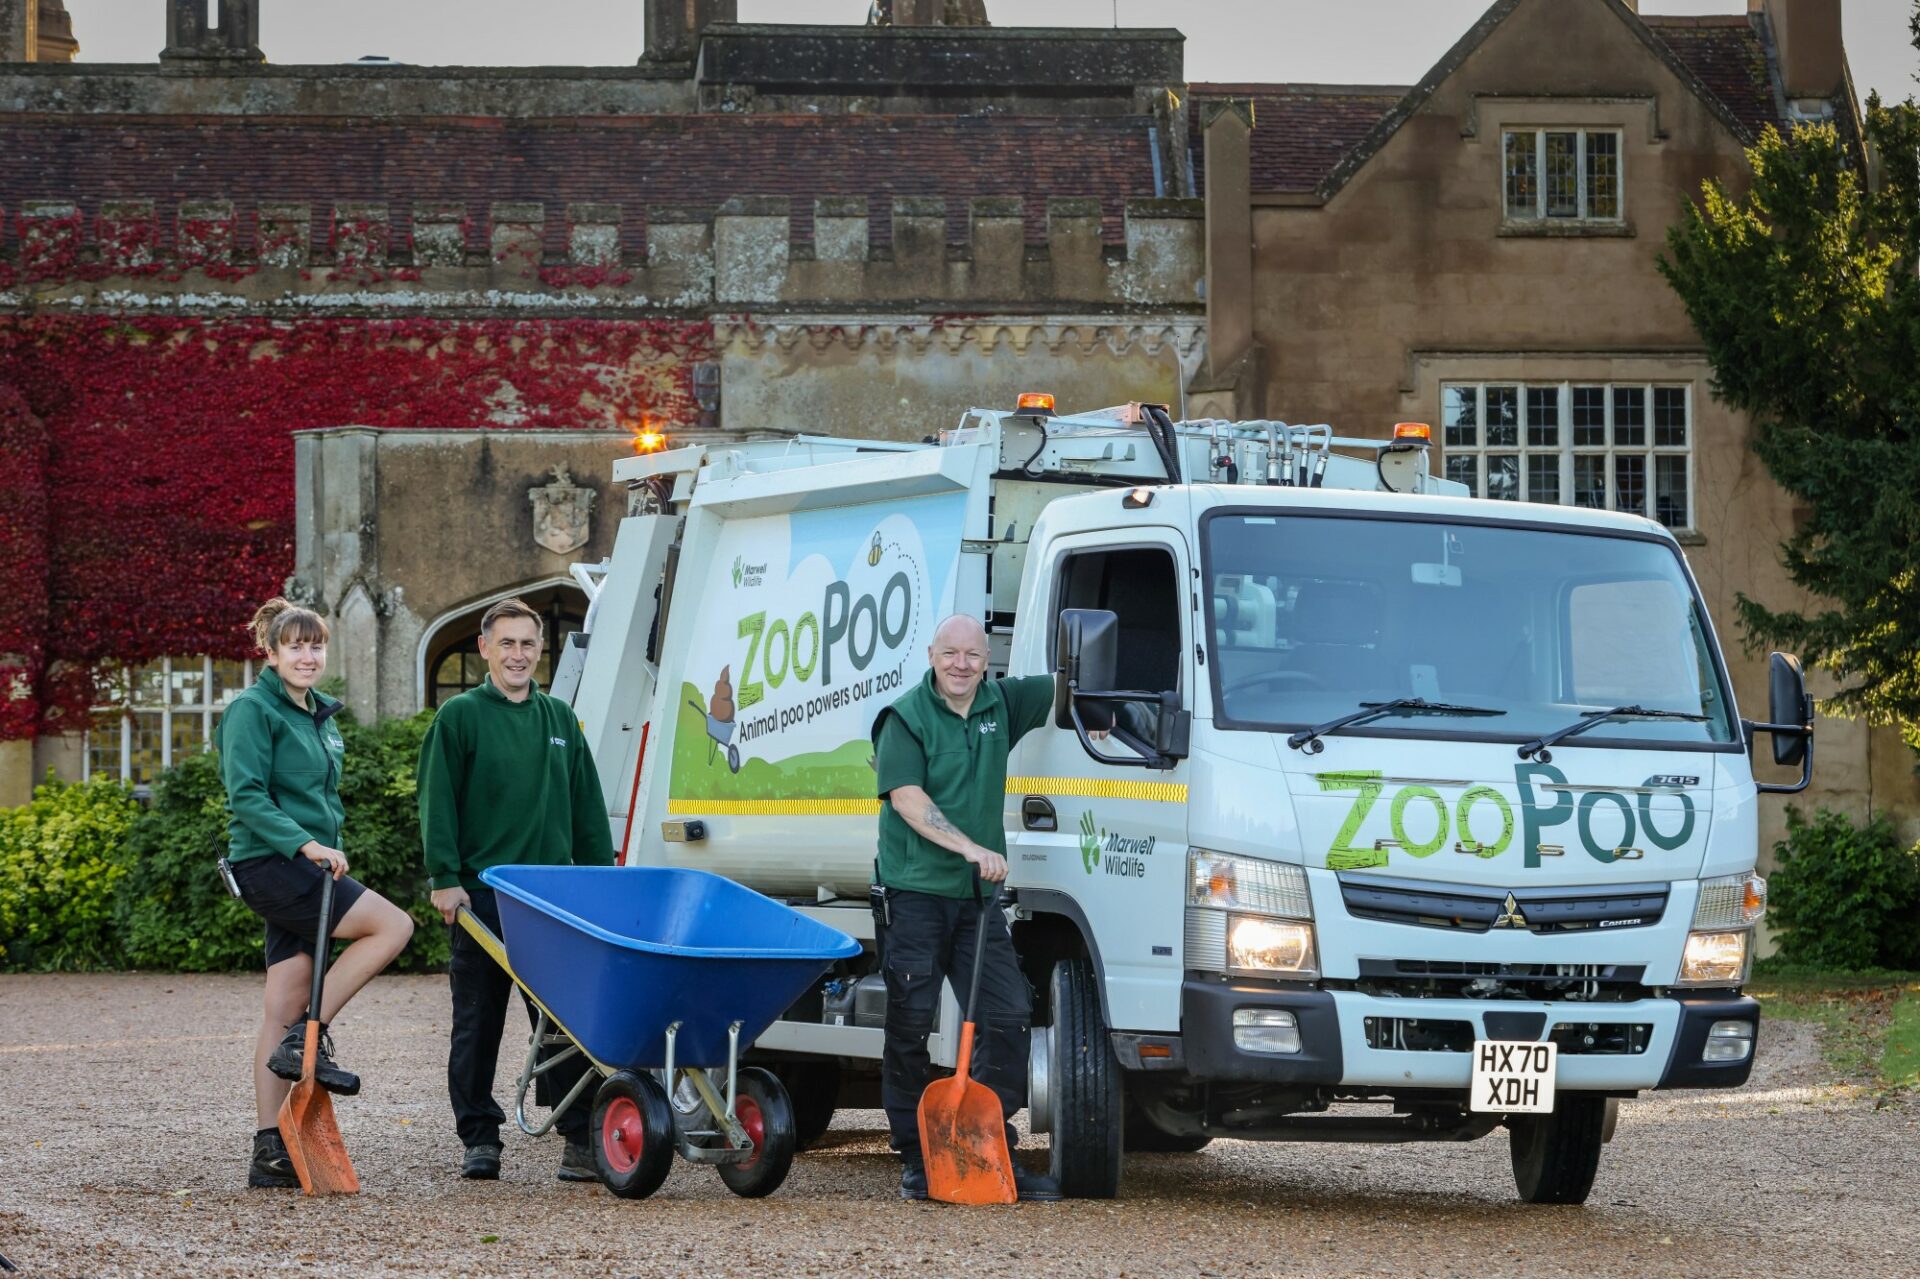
x=60, y=861
x=172, y=910
x=383, y=826
x=1845, y=897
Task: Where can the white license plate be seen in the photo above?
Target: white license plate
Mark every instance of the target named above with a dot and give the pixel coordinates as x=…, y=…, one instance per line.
x=1512, y=1077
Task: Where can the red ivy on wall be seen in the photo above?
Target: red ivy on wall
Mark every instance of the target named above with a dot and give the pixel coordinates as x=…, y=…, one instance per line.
x=155, y=459
x=23, y=558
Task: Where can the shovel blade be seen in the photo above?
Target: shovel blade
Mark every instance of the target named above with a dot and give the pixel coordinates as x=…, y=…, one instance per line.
x=314, y=1145
x=963, y=1139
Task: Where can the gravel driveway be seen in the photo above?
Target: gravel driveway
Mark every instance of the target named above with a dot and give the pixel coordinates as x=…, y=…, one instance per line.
x=125, y=1120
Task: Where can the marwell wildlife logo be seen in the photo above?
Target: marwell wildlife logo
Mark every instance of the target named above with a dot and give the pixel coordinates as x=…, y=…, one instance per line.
x=745, y=574
x=1124, y=856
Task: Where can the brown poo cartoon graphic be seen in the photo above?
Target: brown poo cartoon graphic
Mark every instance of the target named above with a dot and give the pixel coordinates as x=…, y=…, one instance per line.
x=720, y=705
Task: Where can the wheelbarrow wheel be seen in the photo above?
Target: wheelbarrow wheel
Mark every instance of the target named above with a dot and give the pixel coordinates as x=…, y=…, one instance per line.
x=765, y=1111
x=632, y=1134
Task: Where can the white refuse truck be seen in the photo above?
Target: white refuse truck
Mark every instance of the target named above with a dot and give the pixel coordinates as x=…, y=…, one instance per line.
x=1423, y=816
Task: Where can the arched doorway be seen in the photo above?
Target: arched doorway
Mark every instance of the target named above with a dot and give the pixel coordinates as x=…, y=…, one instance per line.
x=453, y=664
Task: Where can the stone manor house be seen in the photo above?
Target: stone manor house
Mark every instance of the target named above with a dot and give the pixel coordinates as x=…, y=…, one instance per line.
x=374, y=333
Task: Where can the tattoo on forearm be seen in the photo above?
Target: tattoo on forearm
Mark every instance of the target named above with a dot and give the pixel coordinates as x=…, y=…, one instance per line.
x=938, y=820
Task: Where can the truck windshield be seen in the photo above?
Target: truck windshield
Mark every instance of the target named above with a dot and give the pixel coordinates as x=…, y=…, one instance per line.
x=1310, y=616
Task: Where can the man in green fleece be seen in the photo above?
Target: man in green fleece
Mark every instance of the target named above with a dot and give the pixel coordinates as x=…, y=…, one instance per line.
x=505, y=779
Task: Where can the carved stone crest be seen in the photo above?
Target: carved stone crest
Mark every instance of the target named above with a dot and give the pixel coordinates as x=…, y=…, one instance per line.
x=562, y=513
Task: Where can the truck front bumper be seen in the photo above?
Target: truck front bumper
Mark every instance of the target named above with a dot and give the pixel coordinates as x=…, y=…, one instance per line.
x=1336, y=1049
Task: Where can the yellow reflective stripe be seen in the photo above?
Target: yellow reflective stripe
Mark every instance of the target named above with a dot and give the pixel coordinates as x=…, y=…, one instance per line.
x=773, y=807
x=1099, y=788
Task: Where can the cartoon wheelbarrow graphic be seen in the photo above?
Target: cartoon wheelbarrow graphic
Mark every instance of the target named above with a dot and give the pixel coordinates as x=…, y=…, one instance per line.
x=720, y=722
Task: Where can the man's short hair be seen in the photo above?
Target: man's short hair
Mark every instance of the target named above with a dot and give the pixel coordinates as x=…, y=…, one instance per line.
x=510, y=608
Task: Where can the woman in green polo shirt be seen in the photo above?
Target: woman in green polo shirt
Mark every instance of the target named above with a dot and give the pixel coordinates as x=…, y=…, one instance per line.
x=280, y=757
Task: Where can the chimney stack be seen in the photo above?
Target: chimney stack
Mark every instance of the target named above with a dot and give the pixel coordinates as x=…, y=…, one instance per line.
x=235, y=37
x=674, y=26
x=1806, y=34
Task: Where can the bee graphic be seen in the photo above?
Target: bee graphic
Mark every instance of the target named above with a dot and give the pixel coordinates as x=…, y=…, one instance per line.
x=873, y=552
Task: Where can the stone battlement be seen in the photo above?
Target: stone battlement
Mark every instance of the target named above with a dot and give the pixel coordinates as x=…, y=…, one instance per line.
x=581, y=257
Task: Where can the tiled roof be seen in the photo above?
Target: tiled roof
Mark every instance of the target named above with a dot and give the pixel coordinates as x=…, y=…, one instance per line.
x=1299, y=131
x=1727, y=56
x=698, y=160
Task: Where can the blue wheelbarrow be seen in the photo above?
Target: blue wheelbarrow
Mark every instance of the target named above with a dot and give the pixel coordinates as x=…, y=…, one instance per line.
x=659, y=977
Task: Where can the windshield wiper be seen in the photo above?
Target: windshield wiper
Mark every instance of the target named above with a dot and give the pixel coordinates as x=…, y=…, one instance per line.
x=1538, y=746
x=1308, y=739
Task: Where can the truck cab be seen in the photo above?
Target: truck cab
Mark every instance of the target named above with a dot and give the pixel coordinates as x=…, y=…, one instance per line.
x=1420, y=815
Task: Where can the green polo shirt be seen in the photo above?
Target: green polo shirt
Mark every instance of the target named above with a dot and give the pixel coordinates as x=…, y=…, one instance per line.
x=961, y=764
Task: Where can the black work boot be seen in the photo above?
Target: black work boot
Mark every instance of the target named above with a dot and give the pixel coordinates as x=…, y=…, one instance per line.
x=576, y=1162
x=481, y=1163
x=271, y=1168
x=1035, y=1187
x=287, y=1056
x=913, y=1181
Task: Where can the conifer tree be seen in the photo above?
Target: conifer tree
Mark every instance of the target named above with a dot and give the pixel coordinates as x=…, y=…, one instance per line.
x=1807, y=295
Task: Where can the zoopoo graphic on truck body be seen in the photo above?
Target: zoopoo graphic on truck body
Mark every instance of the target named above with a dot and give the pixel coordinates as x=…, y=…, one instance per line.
x=813, y=623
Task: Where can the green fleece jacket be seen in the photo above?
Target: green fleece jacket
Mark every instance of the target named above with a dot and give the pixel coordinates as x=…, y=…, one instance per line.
x=508, y=783
x=281, y=765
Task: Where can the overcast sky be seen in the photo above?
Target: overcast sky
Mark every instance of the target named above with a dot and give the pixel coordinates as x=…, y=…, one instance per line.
x=1323, y=41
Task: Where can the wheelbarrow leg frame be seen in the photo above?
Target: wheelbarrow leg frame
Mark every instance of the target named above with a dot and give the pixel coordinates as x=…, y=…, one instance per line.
x=549, y=1033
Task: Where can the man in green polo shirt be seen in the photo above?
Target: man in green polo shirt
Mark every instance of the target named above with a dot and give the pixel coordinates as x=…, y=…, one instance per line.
x=940, y=753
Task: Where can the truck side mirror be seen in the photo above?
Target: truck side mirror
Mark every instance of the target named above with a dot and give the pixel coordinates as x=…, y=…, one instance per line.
x=1087, y=650
x=1788, y=703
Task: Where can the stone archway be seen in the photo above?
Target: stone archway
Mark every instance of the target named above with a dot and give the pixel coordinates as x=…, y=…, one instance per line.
x=449, y=660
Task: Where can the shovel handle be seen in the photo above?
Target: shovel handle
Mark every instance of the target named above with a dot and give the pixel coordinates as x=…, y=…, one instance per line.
x=979, y=943
x=322, y=935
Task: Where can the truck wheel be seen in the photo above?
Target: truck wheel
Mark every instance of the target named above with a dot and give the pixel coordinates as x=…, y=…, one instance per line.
x=762, y=1107
x=814, y=1088
x=1555, y=1156
x=632, y=1134
x=1146, y=1137
x=1087, y=1105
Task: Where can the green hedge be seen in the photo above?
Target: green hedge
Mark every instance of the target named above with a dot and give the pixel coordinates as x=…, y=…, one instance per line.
x=1843, y=896
x=59, y=869
x=89, y=879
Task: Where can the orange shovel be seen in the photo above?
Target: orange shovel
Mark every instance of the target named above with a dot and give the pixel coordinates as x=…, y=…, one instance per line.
x=963, y=1134
x=313, y=1141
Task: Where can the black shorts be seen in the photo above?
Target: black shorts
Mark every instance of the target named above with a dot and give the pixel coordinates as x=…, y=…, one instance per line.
x=285, y=891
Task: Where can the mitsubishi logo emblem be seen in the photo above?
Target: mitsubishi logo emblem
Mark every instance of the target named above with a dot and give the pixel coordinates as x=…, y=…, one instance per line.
x=1510, y=916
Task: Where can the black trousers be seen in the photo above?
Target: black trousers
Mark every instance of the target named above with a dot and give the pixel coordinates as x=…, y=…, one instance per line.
x=931, y=940
x=480, y=990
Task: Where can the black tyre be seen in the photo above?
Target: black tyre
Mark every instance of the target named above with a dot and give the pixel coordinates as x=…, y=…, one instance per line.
x=1555, y=1156
x=1087, y=1105
x=632, y=1134
x=764, y=1110
x=814, y=1089
x=1148, y=1138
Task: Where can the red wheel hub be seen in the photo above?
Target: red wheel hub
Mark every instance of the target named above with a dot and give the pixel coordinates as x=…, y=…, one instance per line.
x=747, y=1111
x=622, y=1135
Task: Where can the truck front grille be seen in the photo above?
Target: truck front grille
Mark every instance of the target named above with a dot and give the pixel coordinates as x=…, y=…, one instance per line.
x=1479, y=910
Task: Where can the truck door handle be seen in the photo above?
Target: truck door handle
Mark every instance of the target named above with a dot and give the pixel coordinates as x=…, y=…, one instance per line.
x=1036, y=813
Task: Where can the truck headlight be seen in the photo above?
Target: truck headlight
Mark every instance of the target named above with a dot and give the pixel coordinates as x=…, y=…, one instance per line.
x=1714, y=959
x=1253, y=884
x=1249, y=915
x=1730, y=901
x=1257, y=944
